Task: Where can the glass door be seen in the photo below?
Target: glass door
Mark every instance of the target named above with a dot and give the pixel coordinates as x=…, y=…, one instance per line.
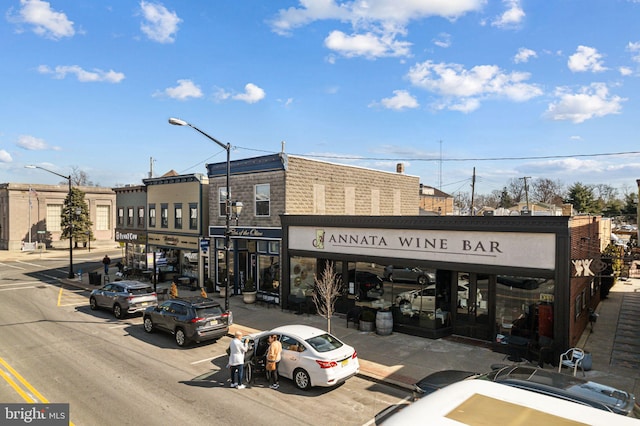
x=473, y=316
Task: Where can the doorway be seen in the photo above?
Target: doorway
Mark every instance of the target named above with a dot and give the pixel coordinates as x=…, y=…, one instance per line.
x=474, y=301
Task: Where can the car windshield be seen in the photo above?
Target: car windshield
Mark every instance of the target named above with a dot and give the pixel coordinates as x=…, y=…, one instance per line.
x=324, y=343
x=139, y=291
x=209, y=311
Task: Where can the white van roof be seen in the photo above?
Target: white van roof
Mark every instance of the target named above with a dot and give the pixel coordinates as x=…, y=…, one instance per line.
x=481, y=402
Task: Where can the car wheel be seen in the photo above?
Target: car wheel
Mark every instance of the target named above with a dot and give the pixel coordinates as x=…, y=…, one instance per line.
x=117, y=311
x=301, y=379
x=422, y=280
x=181, y=339
x=93, y=303
x=148, y=325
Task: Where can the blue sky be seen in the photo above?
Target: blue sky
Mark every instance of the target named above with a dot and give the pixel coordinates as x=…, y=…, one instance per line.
x=514, y=88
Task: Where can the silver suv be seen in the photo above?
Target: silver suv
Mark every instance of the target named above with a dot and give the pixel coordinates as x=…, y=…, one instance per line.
x=123, y=297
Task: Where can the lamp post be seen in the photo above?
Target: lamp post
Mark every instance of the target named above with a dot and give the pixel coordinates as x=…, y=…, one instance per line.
x=68, y=178
x=227, y=204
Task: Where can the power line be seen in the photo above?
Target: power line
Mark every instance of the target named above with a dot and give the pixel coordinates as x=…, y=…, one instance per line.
x=542, y=157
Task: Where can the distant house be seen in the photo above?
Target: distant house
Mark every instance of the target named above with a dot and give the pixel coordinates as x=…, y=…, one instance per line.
x=435, y=202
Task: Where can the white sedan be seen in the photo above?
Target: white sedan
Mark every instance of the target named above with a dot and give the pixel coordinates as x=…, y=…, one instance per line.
x=310, y=356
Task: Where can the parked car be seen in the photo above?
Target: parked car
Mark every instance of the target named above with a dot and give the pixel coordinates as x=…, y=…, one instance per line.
x=310, y=356
x=189, y=319
x=368, y=284
x=415, y=274
x=526, y=283
x=123, y=297
x=541, y=381
x=425, y=299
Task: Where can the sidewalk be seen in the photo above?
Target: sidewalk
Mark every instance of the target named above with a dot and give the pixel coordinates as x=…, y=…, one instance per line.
x=401, y=359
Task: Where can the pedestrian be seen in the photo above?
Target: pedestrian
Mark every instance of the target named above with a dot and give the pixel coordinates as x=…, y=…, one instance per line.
x=106, y=261
x=237, y=349
x=173, y=291
x=273, y=360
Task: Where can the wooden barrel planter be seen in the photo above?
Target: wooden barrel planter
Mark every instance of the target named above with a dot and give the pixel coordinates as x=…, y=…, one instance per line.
x=384, y=323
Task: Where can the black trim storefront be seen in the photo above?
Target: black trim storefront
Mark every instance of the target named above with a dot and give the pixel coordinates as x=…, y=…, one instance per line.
x=524, y=246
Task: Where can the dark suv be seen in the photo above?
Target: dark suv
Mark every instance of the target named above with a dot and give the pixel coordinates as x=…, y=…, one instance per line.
x=368, y=284
x=189, y=319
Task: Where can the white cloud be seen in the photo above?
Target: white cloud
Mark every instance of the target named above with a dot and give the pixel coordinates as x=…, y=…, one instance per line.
x=443, y=40
x=586, y=59
x=368, y=45
x=82, y=75
x=512, y=17
x=45, y=21
x=375, y=24
x=400, y=100
x=184, y=90
x=5, y=157
x=31, y=143
x=589, y=102
x=634, y=48
x=524, y=55
x=159, y=24
x=625, y=71
x=251, y=95
x=464, y=89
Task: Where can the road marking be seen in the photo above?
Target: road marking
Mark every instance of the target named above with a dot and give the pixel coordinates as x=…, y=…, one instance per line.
x=30, y=264
x=12, y=266
x=384, y=413
x=17, y=288
x=207, y=359
x=24, y=388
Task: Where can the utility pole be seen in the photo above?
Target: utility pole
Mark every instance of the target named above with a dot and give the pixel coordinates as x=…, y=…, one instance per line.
x=526, y=190
x=473, y=188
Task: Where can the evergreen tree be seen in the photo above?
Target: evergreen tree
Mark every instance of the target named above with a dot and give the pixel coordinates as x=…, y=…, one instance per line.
x=80, y=223
x=582, y=199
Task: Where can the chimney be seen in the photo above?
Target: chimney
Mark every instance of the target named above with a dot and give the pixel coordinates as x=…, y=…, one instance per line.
x=399, y=168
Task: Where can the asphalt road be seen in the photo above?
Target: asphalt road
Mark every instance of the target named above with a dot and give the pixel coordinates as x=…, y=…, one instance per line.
x=53, y=348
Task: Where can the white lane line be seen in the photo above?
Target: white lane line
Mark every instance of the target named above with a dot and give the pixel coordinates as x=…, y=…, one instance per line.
x=12, y=266
x=30, y=264
x=207, y=359
x=17, y=288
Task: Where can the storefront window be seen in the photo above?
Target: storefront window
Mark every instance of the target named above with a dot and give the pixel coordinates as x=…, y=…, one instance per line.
x=419, y=299
x=303, y=272
x=524, y=306
x=269, y=279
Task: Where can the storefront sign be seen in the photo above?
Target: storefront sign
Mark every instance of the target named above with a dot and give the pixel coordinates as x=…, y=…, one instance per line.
x=527, y=250
x=130, y=237
x=246, y=232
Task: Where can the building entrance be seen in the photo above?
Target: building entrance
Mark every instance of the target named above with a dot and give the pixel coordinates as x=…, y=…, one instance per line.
x=473, y=313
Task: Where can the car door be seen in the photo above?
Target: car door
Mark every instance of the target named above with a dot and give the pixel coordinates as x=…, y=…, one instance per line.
x=106, y=295
x=159, y=315
x=425, y=299
x=290, y=359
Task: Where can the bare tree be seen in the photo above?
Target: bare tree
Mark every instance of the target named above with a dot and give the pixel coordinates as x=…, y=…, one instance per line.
x=515, y=188
x=80, y=177
x=547, y=191
x=327, y=291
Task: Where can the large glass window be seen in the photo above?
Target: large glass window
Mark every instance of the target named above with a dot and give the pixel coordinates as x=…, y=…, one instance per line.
x=164, y=215
x=152, y=215
x=177, y=210
x=263, y=199
x=103, y=216
x=524, y=306
x=140, y=217
x=303, y=271
x=120, y=216
x=54, y=219
x=193, y=216
x=222, y=201
x=129, y=216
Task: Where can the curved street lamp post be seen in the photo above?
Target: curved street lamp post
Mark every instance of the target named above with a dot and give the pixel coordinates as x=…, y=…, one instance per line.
x=227, y=208
x=71, y=274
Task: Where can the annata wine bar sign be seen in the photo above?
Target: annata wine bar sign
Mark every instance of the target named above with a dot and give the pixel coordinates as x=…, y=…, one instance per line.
x=494, y=248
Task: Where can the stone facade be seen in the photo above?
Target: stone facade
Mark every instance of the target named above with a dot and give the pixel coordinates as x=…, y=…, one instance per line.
x=17, y=219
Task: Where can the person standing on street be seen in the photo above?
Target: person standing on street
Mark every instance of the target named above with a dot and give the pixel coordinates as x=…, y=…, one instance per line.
x=237, y=349
x=273, y=359
x=106, y=261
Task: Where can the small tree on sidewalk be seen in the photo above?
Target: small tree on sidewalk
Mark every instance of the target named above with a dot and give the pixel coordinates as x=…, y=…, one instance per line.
x=327, y=291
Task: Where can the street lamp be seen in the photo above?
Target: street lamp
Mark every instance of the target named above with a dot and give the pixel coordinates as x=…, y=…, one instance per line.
x=71, y=275
x=227, y=204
